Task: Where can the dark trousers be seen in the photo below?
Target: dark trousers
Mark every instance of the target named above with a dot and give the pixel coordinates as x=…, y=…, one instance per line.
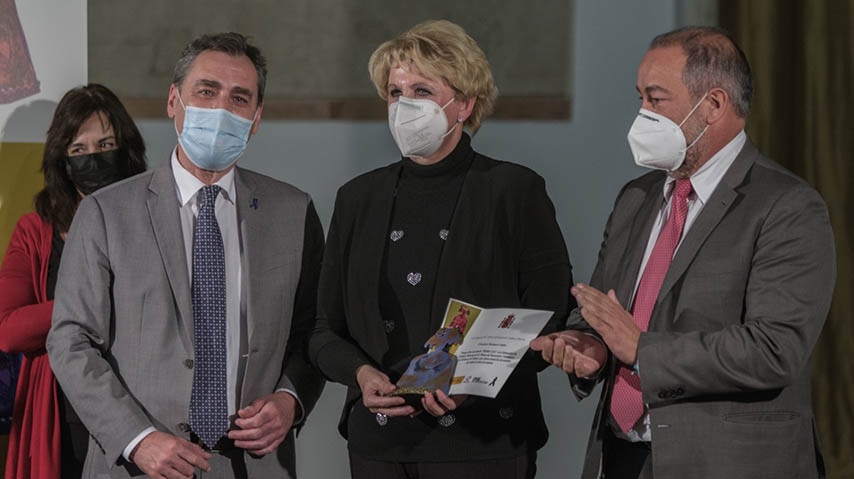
x=74, y=439
x=622, y=459
x=519, y=467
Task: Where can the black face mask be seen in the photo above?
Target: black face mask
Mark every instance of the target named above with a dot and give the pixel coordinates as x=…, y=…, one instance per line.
x=96, y=170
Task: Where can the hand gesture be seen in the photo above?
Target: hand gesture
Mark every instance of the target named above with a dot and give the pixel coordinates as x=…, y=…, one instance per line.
x=572, y=351
x=604, y=314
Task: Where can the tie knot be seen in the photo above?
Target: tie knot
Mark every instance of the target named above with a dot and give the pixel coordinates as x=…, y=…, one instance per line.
x=209, y=193
x=683, y=188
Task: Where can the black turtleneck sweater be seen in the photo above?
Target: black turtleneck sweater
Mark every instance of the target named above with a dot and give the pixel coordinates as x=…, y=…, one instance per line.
x=423, y=207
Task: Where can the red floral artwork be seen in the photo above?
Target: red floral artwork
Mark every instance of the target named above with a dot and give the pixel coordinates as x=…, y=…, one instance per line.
x=17, y=76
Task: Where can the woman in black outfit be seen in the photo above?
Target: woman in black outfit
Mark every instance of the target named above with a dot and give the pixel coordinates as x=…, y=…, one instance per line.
x=442, y=222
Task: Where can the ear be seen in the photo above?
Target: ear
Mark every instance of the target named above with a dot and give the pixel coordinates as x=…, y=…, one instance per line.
x=257, y=119
x=465, y=111
x=172, y=102
x=718, y=104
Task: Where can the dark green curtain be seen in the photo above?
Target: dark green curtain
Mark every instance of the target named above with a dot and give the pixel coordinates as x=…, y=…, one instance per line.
x=802, y=55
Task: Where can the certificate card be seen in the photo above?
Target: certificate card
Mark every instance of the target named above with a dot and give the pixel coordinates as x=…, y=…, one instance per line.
x=493, y=343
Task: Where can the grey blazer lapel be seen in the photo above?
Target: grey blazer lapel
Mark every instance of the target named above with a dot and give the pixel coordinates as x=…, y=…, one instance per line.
x=719, y=203
x=163, y=209
x=251, y=226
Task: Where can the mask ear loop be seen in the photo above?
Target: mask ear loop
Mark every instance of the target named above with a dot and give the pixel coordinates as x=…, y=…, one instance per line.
x=455, y=123
x=694, y=109
x=697, y=139
x=178, y=94
x=689, y=116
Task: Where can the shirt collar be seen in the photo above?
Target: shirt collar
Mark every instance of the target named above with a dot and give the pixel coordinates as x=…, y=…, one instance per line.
x=706, y=179
x=188, y=185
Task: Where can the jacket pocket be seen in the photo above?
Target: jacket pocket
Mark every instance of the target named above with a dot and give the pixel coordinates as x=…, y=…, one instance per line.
x=762, y=417
x=760, y=444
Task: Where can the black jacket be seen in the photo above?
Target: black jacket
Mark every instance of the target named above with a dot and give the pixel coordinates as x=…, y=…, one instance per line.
x=505, y=250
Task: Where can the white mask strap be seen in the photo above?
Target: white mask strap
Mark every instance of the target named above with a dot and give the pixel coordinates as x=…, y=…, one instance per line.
x=178, y=93
x=698, y=138
x=694, y=109
x=450, y=130
x=455, y=123
x=174, y=124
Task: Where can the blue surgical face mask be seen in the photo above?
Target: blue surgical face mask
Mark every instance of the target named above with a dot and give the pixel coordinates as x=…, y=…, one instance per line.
x=213, y=138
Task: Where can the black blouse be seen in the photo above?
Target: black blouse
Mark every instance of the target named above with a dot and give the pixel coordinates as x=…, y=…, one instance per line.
x=56, y=245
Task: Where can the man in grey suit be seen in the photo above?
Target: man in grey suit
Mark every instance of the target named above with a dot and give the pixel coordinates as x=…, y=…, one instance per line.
x=713, y=282
x=186, y=293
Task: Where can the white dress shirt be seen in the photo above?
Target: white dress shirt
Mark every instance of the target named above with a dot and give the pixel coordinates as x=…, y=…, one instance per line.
x=236, y=342
x=704, y=181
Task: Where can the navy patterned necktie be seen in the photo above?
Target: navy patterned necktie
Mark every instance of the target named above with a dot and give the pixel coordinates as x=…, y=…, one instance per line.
x=208, y=401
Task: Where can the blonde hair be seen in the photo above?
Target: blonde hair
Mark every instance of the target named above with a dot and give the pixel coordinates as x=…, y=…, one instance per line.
x=442, y=50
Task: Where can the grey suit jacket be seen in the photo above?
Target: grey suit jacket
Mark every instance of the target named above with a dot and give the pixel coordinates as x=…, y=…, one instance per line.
x=122, y=334
x=725, y=365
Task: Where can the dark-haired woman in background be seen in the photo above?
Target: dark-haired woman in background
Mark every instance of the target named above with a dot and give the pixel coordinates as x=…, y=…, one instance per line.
x=92, y=142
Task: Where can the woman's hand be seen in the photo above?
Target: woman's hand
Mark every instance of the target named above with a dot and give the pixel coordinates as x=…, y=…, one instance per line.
x=442, y=404
x=375, y=388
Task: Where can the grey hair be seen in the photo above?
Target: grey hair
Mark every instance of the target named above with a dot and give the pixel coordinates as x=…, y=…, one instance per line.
x=231, y=43
x=714, y=60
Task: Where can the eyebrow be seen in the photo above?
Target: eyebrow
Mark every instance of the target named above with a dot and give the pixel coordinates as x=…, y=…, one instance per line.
x=215, y=84
x=111, y=137
x=210, y=83
x=656, y=88
x=242, y=91
x=426, y=86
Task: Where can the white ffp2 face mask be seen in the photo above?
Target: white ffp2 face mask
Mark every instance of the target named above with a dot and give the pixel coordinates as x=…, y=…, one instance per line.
x=657, y=142
x=418, y=126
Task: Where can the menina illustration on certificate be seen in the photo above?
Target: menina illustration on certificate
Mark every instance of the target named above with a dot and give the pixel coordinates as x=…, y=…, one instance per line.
x=474, y=351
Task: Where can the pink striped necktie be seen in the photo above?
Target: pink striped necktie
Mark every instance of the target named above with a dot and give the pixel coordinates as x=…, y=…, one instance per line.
x=626, y=399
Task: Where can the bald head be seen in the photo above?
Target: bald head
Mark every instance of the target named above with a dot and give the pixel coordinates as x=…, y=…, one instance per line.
x=713, y=60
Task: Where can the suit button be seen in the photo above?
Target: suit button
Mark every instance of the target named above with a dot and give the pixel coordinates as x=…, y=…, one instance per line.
x=662, y=395
x=389, y=326
x=188, y=363
x=506, y=412
x=183, y=427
